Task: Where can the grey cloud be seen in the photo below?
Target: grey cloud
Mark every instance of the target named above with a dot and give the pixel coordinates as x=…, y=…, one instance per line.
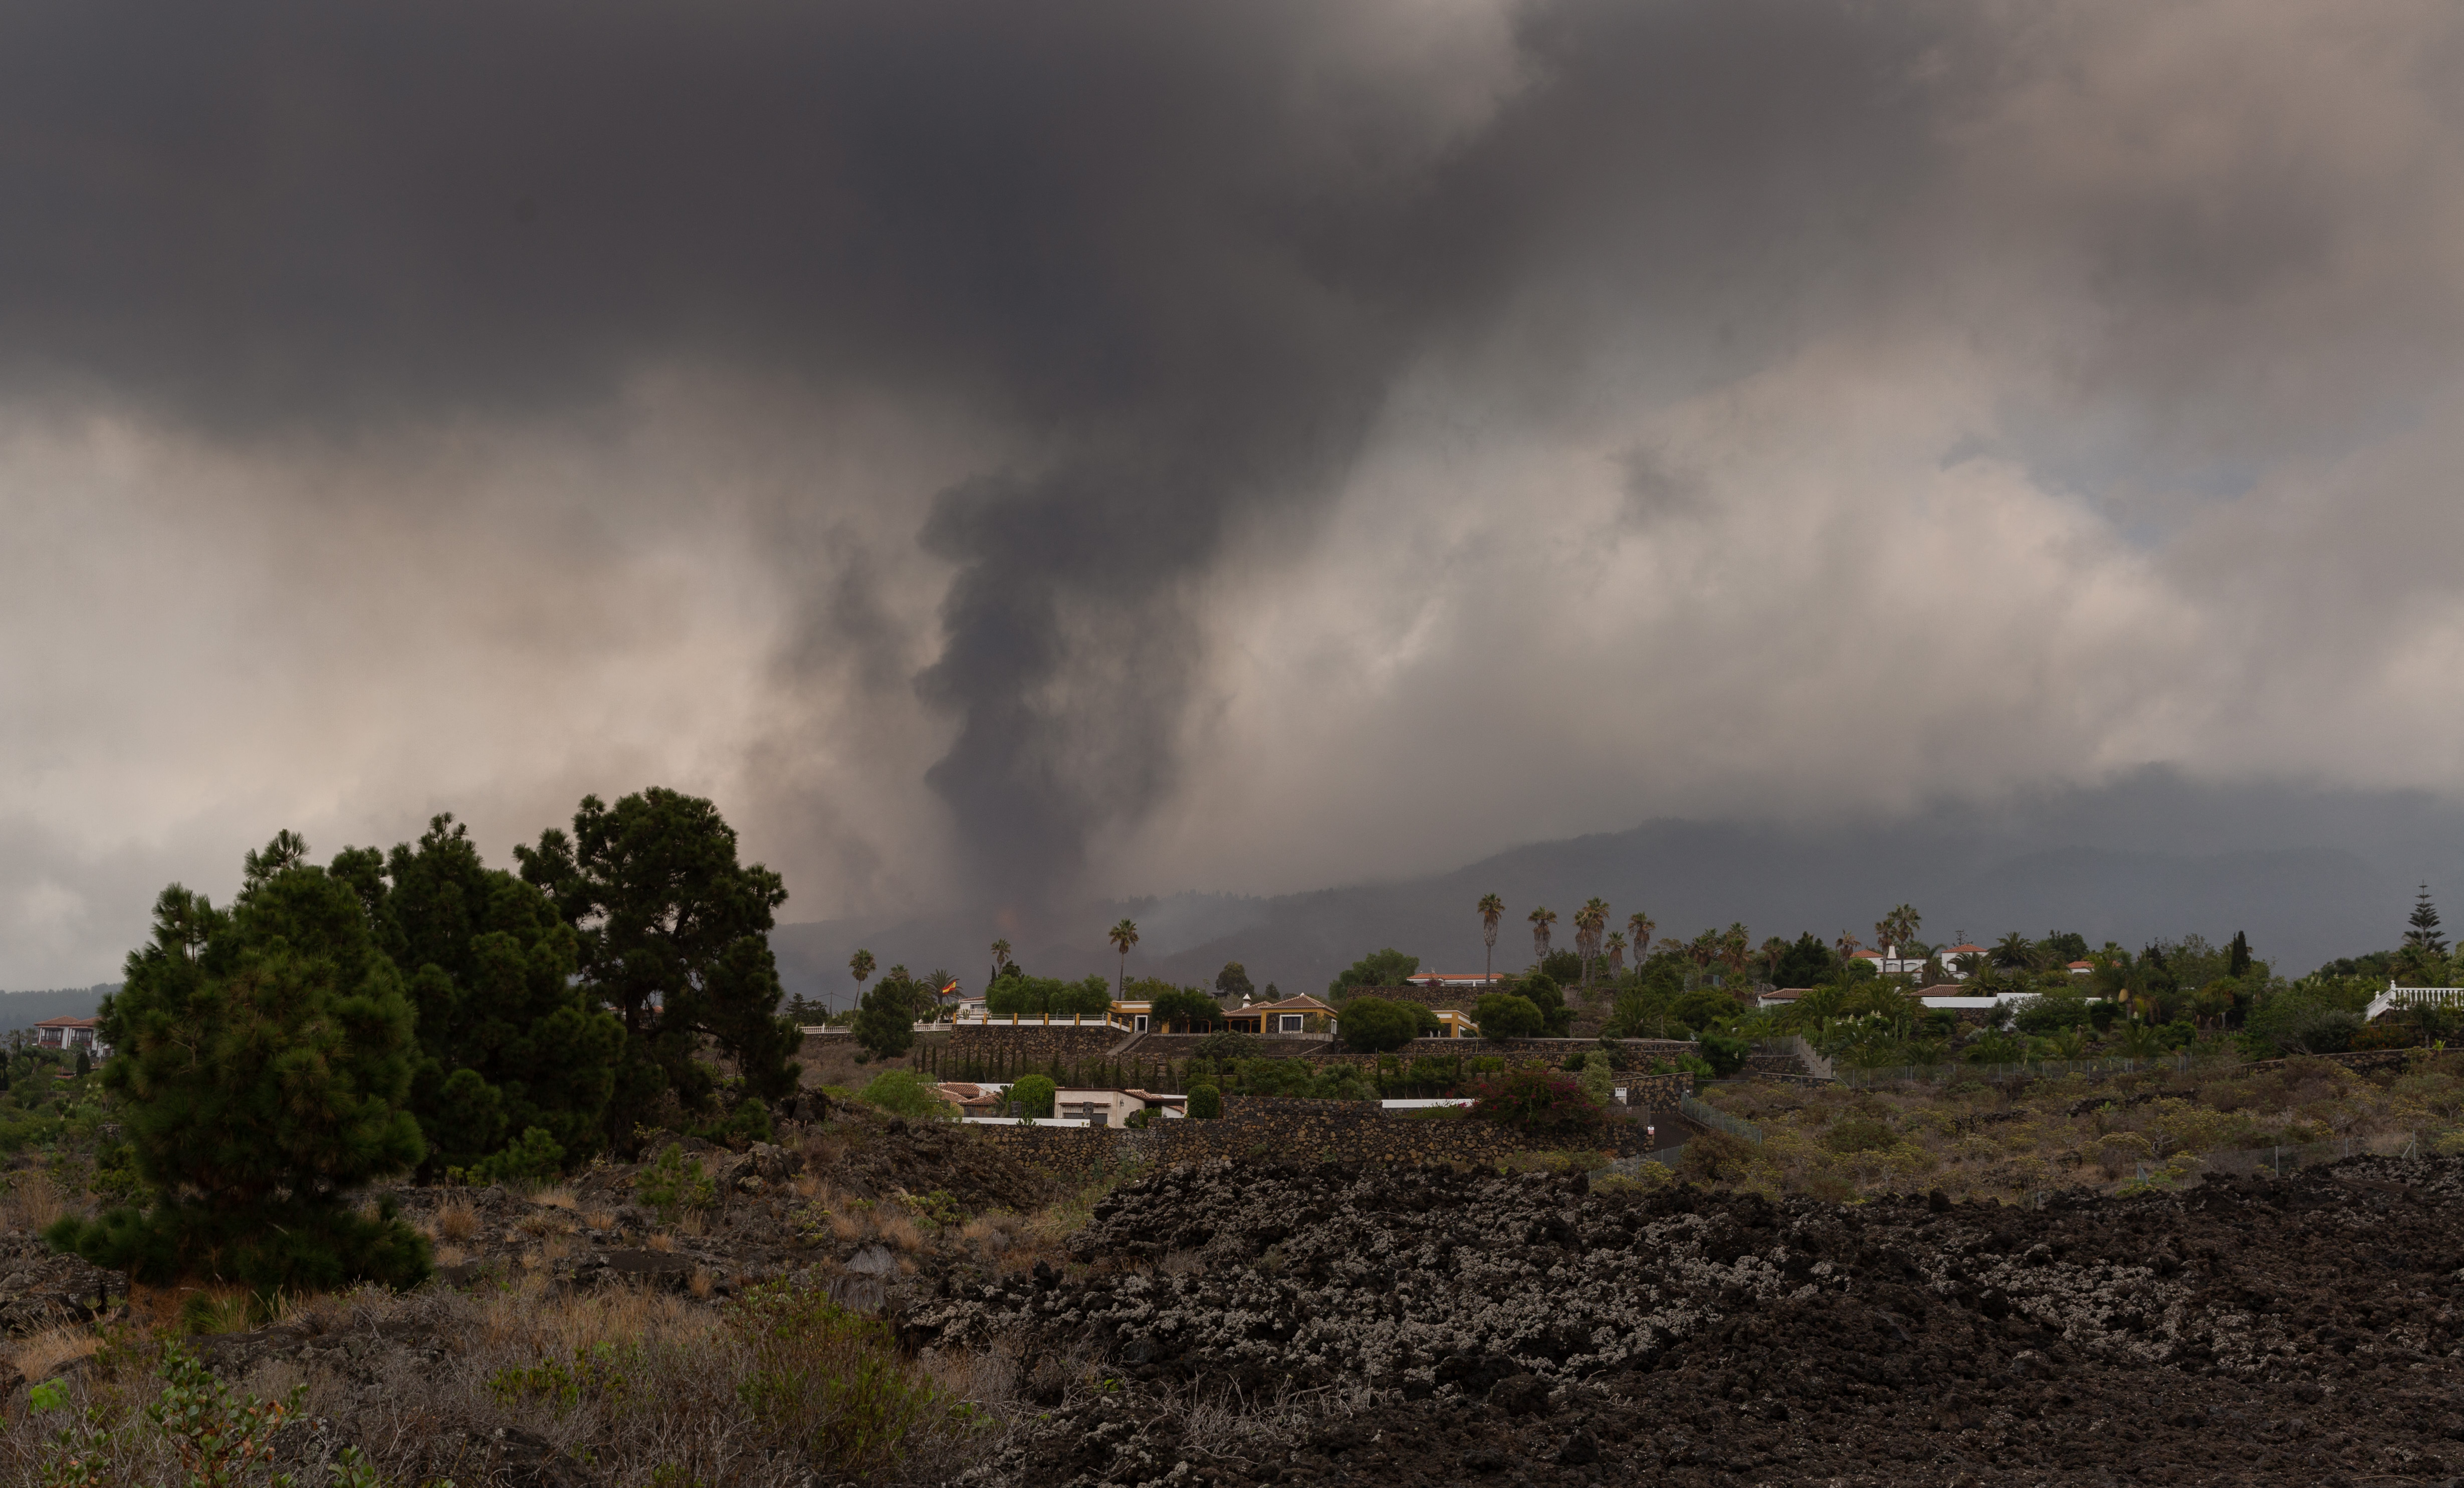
x=1164, y=272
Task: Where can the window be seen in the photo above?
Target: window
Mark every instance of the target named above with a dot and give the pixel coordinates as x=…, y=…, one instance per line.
x=1289, y=1021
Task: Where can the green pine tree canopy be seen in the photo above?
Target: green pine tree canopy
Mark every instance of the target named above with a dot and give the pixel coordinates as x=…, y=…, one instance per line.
x=674, y=937
x=419, y=1010
x=264, y=1058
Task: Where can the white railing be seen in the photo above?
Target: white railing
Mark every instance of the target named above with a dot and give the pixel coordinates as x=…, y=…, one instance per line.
x=2395, y=997
x=1108, y=1019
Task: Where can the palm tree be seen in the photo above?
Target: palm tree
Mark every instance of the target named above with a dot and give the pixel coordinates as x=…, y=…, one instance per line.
x=1541, y=919
x=1639, y=925
x=1898, y=927
x=1123, y=935
x=1846, y=946
x=1001, y=959
x=861, y=964
x=1615, y=946
x=1589, y=921
x=2013, y=949
x=1735, y=945
x=1703, y=949
x=1492, y=909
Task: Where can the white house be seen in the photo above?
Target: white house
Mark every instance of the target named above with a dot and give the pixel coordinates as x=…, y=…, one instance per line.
x=1114, y=1107
x=71, y=1033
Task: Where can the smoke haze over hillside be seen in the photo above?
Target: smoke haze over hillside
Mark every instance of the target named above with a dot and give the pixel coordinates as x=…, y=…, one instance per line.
x=1018, y=457
x=2308, y=875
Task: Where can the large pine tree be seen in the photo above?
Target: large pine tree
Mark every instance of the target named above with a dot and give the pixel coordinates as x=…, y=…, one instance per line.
x=674, y=937
x=263, y=1061
x=508, y=1041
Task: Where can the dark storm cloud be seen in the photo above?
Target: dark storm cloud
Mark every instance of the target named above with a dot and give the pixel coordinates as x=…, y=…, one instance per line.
x=1168, y=265
x=1093, y=225
x=1128, y=232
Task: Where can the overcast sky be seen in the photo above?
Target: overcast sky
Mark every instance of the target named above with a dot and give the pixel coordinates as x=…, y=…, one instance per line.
x=1002, y=451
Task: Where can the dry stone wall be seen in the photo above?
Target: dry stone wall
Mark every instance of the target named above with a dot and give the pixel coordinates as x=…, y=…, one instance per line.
x=1031, y=1045
x=1268, y=1128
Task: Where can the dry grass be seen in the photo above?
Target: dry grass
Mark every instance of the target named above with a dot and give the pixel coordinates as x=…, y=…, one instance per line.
x=900, y=1230
x=33, y=1202
x=601, y=1219
x=694, y=1222
x=699, y=1283
x=560, y=1197
x=458, y=1223
x=660, y=1242
x=2006, y=1143
x=805, y=1185
x=557, y=1246
x=451, y=1256
x=38, y=1354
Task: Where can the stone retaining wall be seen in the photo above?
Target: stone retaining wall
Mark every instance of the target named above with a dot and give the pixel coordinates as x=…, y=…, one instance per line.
x=1278, y=1128
x=1459, y=998
x=1028, y=1044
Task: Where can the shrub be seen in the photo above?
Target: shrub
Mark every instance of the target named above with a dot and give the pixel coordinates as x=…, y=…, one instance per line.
x=1996, y=1048
x=748, y=1123
x=1649, y=1178
x=673, y=1184
x=1505, y=1015
x=832, y=1383
x=1544, y=993
x=1206, y=1102
x=1376, y=1024
x=1227, y=1045
x=1538, y=1102
x=1724, y=1053
x=1715, y=1157
x=1858, y=1134
x=906, y=1093
x=2051, y=1010
x=1598, y=1083
x=535, y=1158
x=1034, y=1095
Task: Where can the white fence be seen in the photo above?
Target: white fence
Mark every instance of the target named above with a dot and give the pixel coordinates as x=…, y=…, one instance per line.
x=2396, y=997
x=1111, y=1020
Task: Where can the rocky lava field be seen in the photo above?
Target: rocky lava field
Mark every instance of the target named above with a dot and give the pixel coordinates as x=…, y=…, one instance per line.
x=1240, y=1325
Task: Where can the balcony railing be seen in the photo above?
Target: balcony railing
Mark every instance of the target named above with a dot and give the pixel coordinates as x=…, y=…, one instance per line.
x=1107, y=1019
